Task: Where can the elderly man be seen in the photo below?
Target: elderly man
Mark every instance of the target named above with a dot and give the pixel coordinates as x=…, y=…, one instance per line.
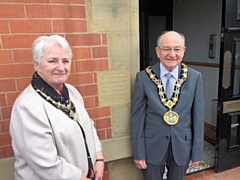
x=167, y=115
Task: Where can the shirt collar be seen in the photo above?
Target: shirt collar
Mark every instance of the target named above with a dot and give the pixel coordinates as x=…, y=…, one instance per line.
x=164, y=71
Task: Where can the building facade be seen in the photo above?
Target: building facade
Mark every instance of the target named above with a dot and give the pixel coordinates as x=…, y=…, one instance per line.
x=104, y=36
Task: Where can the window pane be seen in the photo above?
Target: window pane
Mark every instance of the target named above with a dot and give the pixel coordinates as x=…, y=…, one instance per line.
x=234, y=135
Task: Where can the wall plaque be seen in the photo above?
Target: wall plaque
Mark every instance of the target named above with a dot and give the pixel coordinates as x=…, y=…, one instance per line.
x=113, y=87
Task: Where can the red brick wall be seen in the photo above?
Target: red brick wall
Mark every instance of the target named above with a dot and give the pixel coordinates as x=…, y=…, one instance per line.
x=21, y=22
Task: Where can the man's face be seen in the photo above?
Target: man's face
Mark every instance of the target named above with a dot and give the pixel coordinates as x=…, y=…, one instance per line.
x=55, y=66
x=170, y=50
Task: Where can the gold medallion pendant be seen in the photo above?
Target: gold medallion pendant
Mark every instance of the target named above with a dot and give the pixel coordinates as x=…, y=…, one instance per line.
x=171, y=117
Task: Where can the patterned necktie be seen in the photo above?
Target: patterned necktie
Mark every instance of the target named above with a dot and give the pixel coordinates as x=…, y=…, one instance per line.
x=169, y=86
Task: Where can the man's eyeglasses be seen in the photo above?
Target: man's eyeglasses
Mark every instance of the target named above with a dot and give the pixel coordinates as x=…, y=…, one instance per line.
x=168, y=50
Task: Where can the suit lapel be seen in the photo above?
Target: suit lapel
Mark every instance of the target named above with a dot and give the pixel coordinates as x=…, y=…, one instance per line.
x=179, y=70
x=156, y=70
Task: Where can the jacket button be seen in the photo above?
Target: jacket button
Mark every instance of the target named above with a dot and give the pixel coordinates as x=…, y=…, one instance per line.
x=167, y=137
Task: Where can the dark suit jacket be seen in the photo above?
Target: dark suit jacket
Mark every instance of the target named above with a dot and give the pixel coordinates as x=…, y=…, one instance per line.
x=150, y=135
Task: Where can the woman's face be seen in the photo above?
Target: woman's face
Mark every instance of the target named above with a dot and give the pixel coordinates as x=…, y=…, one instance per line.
x=54, y=66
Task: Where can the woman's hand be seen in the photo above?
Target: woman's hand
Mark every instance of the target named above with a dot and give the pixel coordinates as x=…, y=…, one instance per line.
x=98, y=169
x=99, y=166
x=84, y=178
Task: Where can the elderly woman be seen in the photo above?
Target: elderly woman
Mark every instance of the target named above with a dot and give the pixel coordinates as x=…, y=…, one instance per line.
x=52, y=134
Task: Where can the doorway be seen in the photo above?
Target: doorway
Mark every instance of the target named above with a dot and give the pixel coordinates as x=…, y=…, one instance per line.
x=155, y=17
